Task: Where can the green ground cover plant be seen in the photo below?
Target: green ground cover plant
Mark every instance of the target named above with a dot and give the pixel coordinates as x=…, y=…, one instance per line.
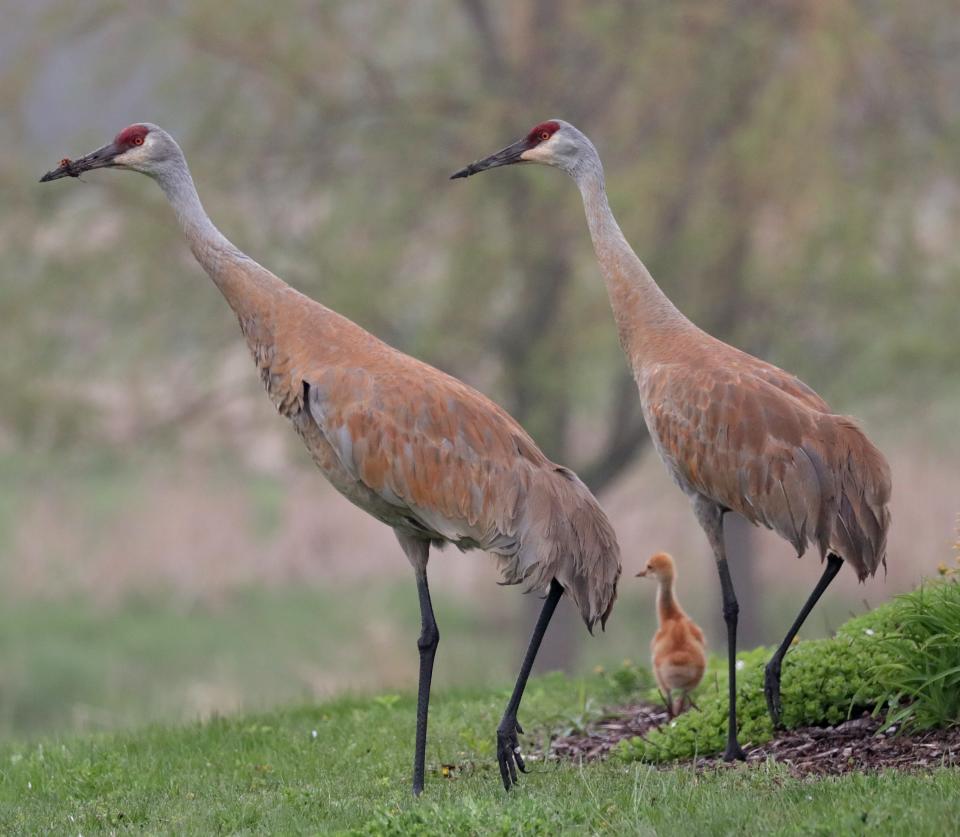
x=901, y=659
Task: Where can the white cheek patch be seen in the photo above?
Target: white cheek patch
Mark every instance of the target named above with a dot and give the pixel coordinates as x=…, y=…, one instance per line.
x=537, y=153
x=130, y=157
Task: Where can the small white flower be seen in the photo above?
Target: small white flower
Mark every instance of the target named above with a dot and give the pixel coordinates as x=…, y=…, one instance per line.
x=29, y=785
x=673, y=723
x=313, y=733
x=740, y=665
x=869, y=631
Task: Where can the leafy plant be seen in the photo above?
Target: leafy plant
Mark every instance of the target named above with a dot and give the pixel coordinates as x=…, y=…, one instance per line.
x=587, y=710
x=922, y=660
x=386, y=701
x=629, y=679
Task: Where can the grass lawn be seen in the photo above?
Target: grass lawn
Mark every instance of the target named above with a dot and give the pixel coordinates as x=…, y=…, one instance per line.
x=270, y=773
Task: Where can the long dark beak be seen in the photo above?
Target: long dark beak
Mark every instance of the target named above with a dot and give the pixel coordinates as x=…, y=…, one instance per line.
x=510, y=154
x=642, y=574
x=99, y=159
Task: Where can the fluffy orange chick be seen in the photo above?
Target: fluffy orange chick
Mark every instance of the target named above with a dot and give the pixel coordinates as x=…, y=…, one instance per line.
x=678, y=650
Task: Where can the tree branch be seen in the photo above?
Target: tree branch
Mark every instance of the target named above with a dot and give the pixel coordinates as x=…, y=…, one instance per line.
x=626, y=437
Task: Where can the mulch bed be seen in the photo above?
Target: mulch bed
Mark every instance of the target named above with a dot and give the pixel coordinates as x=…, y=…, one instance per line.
x=856, y=744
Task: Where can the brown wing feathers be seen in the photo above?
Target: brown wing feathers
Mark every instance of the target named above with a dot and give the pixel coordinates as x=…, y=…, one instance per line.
x=442, y=454
x=761, y=446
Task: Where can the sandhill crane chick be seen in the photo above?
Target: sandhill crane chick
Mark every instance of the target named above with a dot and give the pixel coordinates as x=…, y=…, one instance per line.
x=678, y=651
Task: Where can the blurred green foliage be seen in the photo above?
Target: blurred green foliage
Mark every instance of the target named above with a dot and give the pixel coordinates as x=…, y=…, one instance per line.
x=789, y=172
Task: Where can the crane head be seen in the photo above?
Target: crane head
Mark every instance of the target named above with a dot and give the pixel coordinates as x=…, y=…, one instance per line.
x=660, y=567
x=141, y=147
x=552, y=143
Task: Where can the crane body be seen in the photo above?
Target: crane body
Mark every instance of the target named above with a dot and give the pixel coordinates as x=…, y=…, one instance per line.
x=735, y=433
x=412, y=446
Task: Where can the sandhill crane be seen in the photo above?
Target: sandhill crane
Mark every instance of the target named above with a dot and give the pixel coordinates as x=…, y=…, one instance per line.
x=735, y=433
x=678, y=649
x=412, y=446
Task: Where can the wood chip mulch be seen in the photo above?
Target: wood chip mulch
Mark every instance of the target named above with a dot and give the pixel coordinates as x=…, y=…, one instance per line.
x=856, y=744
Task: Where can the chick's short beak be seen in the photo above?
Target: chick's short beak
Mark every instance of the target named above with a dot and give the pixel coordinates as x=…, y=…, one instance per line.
x=504, y=157
x=101, y=158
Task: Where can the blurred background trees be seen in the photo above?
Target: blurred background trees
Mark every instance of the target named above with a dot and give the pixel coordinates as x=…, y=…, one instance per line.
x=790, y=172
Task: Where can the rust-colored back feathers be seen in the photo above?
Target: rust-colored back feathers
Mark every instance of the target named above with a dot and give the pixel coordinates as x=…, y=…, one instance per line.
x=759, y=442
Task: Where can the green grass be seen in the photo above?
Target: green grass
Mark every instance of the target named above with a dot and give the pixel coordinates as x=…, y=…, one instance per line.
x=268, y=773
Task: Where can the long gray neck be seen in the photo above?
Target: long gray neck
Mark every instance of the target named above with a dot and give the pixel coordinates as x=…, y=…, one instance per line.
x=240, y=279
x=645, y=316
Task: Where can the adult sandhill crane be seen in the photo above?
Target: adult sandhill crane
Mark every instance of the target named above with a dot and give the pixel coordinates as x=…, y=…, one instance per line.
x=735, y=433
x=678, y=649
x=417, y=449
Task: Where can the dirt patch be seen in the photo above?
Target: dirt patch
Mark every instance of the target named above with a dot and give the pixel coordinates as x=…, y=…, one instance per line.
x=599, y=738
x=856, y=744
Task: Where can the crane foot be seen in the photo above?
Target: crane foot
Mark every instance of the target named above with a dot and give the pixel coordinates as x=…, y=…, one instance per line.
x=508, y=752
x=734, y=752
x=771, y=691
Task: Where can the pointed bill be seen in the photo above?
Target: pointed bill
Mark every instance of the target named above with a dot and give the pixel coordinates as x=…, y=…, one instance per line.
x=101, y=158
x=505, y=157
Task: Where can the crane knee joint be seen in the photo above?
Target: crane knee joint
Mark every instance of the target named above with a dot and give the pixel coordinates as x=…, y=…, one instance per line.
x=730, y=610
x=429, y=640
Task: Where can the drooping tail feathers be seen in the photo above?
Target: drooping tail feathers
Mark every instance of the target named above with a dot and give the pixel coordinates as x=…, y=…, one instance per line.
x=861, y=516
x=564, y=534
x=843, y=487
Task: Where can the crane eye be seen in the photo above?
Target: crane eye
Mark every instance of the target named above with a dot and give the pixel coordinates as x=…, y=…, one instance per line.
x=544, y=135
x=138, y=140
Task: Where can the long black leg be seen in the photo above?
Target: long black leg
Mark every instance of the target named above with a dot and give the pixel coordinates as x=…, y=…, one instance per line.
x=508, y=745
x=711, y=519
x=667, y=703
x=427, y=645
x=771, y=680
x=730, y=611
